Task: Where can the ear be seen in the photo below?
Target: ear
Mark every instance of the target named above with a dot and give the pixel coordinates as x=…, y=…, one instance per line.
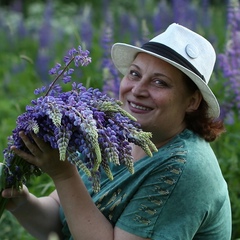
x=194, y=102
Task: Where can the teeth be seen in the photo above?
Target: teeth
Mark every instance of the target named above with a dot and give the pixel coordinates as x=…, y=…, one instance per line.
x=139, y=107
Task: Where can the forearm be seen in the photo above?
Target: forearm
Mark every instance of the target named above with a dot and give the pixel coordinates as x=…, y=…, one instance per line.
x=84, y=219
x=39, y=216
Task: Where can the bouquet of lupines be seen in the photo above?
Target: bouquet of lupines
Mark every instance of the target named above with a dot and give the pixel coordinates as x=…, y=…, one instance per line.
x=89, y=128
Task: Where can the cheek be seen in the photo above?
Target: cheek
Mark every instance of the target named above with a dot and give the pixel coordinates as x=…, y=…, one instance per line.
x=124, y=88
x=162, y=100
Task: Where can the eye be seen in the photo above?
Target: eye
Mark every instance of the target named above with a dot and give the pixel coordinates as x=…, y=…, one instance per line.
x=133, y=74
x=160, y=83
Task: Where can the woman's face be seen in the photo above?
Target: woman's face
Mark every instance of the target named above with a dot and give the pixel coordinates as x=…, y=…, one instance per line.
x=154, y=92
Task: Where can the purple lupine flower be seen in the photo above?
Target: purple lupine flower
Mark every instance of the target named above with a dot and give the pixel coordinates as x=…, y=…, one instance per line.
x=79, y=57
x=162, y=16
x=229, y=63
x=45, y=33
x=111, y=76
x=184, y=12
x=17, y=6
x=45, y=36
x=21, y=29
x=82, y=59
x=55, y=69
x=205, y=15
x=86, y=27
x=89, y=128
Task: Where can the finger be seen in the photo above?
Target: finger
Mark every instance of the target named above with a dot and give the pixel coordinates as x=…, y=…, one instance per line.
x=42, y=145
x=11, y=193
x=32, y=147
x=27, y=156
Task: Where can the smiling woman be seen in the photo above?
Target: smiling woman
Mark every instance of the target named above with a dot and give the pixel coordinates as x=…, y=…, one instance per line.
x=155, y=92
x=179, y=192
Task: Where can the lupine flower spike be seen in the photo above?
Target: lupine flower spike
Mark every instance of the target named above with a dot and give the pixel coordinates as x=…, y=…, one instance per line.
x=89, y=128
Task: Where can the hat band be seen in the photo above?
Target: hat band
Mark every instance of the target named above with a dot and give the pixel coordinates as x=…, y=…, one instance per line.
x=169, y=53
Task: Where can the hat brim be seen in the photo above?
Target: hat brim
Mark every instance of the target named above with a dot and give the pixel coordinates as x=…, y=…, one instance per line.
x=124, y=54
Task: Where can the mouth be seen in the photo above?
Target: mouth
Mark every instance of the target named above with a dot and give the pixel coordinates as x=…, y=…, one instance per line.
x=139, y=107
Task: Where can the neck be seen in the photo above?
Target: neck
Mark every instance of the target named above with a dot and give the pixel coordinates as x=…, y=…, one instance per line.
x=159, y=139
x=138, y=152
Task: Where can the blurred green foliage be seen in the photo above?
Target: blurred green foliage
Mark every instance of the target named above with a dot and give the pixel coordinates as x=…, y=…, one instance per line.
x=19, y=78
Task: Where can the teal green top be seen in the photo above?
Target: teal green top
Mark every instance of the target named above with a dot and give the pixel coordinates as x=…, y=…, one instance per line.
x=179, y=193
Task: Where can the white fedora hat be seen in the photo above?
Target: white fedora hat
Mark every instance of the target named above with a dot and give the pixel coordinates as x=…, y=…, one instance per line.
x=182, y=48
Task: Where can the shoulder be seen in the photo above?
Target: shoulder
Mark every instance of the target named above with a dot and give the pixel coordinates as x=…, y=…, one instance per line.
x=189, y=162
x=200, y=161
x=190, y=149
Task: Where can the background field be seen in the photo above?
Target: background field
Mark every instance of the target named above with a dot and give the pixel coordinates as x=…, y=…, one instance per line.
x=34, y=36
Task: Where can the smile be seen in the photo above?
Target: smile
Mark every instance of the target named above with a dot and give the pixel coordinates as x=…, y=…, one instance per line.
x=139, y=107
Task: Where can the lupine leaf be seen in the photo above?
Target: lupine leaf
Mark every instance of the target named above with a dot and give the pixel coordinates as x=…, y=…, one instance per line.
x=2, y=177
x=55, y=115
x=87, y=126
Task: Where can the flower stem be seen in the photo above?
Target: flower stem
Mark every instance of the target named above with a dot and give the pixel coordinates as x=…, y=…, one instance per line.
x=58, y=76
x=3, y=202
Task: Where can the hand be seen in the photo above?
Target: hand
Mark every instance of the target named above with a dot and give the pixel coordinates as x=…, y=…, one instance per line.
x=44, y=157
x=16, y=198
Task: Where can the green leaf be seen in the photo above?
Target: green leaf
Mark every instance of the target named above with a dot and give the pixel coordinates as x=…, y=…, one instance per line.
x=3, y=201
x=2, y=177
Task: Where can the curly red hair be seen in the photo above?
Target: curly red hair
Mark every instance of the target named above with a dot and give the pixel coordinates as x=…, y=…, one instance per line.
x=199, y=121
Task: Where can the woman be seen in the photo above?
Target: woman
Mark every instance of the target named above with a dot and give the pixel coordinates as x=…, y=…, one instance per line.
x=180, y=192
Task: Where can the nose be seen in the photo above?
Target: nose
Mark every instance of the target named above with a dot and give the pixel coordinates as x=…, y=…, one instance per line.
x=140, y=89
